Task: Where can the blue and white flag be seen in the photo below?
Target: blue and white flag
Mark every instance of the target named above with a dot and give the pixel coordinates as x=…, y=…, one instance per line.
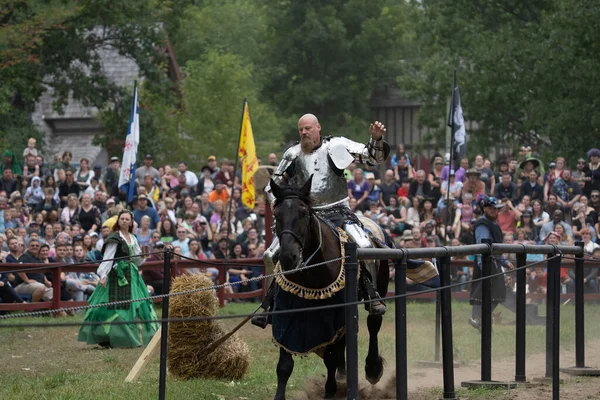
x=127, y=178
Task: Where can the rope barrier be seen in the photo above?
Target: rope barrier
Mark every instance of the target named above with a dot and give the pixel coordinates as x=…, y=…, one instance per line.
x=266, y=313
x=160, y=296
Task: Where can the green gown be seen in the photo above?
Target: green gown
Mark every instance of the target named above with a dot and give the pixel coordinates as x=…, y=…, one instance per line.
x=123, y=282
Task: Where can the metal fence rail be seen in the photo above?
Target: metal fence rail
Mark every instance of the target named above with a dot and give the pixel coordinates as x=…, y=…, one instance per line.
x=486, y=251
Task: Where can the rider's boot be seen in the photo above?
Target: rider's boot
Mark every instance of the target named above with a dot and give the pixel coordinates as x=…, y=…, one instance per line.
x=376, y=306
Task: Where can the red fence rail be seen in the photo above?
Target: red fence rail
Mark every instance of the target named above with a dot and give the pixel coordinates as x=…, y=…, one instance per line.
x=176, y=267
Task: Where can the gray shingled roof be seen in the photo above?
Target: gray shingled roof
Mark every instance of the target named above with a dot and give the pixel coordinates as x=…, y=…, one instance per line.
x=119, y=69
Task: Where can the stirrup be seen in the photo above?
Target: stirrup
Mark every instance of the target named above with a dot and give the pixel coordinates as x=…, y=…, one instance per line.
x=260, y=320
x=376, y=308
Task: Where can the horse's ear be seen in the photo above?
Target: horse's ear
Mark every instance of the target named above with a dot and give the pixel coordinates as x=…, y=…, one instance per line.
x=306, y=188
x=275, y=189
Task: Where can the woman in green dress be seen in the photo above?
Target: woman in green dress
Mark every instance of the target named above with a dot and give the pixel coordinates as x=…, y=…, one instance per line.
x=120, y=280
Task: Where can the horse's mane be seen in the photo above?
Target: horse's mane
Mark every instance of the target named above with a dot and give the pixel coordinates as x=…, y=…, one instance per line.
x=293, y=191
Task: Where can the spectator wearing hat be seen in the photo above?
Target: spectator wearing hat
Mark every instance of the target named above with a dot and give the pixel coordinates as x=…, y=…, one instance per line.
x=407, y=241
x=144, y=209
x=111, y=177
x=487, y=228
x=212, y=166
x=592, y=172
x=110, y=205
x=473, y=184
x=146, y=169
x=374, y=189
x=206, y=183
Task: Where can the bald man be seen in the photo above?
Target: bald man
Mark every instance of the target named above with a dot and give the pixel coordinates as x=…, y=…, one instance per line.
x=325, y=158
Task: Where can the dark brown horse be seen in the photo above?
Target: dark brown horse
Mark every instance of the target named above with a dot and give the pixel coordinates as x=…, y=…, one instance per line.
x=306, y=238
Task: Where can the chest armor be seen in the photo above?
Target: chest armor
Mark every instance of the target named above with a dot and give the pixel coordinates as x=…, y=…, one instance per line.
x=328, y=184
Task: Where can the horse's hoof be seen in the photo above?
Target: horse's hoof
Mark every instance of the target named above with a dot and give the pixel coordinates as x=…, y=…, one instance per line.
x=374, y=381
x=340, y=375
x=374, y=371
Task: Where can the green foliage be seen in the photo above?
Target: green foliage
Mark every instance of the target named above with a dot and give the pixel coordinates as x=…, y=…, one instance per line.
x=214, y=88
x=15, y=129
x=328, y=57
x=523, y=69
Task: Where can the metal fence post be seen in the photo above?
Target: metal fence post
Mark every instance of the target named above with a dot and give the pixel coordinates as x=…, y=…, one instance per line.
x=447, y=339
x=486, y=314
x=580, y=369
x=579, y=316
x=351, y=266
x=550, y=294
x=162, y=385
x=521, y=318
x=401, y=345
x=555, y=266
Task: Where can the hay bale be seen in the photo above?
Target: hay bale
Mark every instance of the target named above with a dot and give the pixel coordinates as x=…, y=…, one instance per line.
x=187, y=340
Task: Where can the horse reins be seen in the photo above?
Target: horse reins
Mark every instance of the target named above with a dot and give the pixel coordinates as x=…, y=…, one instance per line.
x=303, y=242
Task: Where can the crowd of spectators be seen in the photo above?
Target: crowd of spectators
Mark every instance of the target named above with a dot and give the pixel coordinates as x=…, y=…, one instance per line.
x=551, y=204
x=59, y=212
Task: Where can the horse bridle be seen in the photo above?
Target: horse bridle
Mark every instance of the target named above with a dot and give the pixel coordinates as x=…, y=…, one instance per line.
x=302, y=241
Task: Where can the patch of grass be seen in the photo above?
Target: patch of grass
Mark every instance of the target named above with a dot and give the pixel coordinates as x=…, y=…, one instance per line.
x=50, y=363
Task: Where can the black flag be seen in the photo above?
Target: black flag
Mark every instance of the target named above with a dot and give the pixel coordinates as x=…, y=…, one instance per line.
x=457, y=122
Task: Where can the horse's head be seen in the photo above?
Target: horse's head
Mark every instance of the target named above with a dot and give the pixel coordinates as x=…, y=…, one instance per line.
x=292, y=215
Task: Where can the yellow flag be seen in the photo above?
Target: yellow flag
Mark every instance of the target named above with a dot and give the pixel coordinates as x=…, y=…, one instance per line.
x=247, y=153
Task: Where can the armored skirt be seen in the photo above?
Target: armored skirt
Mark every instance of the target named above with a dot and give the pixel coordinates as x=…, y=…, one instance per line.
x=123, y=283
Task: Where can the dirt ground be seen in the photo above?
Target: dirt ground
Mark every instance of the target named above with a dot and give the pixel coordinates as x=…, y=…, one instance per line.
x=423, y=383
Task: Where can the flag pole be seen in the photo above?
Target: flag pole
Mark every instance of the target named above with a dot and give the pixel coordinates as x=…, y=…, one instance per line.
x=235, y=166
x=451, y=161
x=132, y=172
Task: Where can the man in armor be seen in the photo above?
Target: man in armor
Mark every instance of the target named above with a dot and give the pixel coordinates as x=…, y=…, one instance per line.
x=325, y=158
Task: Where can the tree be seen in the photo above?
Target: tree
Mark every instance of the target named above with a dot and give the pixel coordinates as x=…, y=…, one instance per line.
x=58, y=43
x=329, y=57
x=214, y=89
x=525, y=70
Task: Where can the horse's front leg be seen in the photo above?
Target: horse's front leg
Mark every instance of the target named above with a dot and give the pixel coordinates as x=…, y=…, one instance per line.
x=374, y=362
x=331, y=362
x=285, y=366
x=340, y=374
